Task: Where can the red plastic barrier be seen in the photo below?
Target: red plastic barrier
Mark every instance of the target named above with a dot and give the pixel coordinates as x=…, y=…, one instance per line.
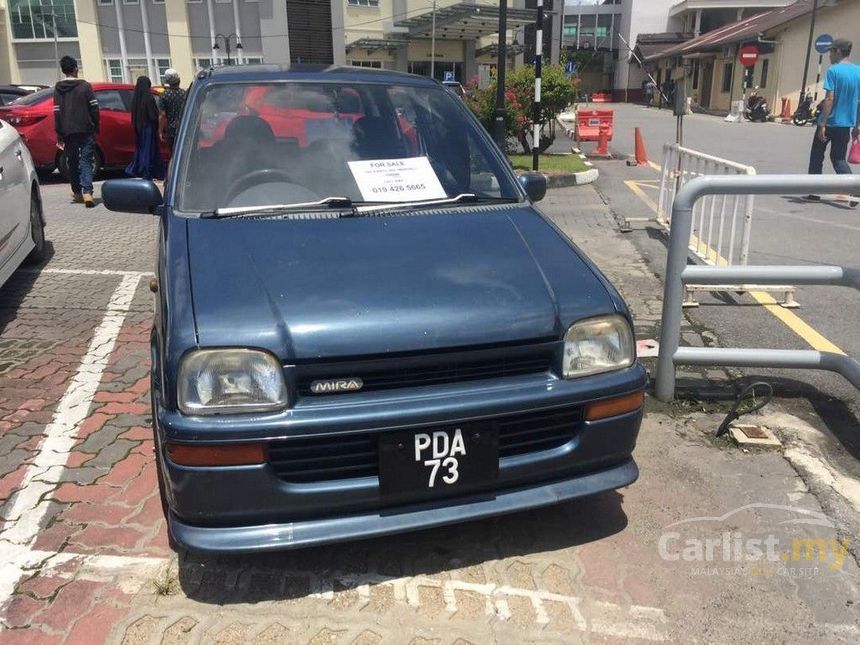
x=589, y=122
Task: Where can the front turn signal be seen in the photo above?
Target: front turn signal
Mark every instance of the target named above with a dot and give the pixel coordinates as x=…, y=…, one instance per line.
x=615, y=406
x=223, y=454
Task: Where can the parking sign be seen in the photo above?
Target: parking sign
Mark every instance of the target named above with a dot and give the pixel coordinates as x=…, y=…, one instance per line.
x=449, y=76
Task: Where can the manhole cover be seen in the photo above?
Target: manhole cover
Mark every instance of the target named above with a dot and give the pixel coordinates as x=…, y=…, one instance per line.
x=17, y=351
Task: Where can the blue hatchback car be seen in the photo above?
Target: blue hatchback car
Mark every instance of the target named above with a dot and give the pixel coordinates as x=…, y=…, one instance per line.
x=363, y=325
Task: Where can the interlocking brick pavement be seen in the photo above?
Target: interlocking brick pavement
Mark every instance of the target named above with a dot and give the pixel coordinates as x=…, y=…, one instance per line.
x=100, y=569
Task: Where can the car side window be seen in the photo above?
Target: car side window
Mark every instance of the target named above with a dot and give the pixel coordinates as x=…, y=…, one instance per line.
x=111, y=100
x=127, y=96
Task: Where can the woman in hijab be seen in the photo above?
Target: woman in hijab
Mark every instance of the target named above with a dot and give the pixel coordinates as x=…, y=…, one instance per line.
x=147, y=162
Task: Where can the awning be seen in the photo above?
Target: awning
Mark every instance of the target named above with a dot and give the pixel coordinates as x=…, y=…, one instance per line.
x=376, y=44
x=464, y=21
x=493, y=50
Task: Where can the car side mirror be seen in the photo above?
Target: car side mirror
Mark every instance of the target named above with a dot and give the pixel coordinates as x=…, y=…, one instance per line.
x=534, y=184
x=131, y=196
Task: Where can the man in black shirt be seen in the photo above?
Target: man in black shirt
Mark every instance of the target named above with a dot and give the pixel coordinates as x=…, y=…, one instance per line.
x=76, y=121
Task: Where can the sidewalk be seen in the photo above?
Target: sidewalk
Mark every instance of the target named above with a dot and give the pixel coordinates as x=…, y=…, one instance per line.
x=667, y=559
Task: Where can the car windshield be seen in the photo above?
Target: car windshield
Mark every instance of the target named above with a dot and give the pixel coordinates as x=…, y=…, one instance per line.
x=35, y=97
x=299, y=142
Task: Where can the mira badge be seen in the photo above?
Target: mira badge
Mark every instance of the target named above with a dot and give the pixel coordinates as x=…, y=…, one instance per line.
x=337, y=385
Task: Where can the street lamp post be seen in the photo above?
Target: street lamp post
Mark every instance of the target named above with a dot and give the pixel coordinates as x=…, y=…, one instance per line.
x=809, y=46
x=433, y=44
x=226, y=40
x=499, y=126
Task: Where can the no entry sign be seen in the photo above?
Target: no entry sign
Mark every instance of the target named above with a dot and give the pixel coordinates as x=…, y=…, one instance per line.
x=748, y=55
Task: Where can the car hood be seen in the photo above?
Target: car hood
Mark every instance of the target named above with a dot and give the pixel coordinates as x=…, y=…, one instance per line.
x=326, y=288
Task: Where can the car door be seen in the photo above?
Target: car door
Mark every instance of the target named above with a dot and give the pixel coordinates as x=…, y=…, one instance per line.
x=14, y=193
x=116, y=136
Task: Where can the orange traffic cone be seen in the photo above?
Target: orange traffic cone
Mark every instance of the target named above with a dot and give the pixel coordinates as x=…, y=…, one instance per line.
x=641, y=155
x=786, y=109
x=602, y=141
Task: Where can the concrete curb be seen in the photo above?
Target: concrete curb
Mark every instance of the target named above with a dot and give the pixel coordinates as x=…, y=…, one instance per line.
x=573, y=179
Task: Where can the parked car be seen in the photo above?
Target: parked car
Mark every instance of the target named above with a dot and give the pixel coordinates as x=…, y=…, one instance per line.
x=366, y=332
x=9, y=93
x=32, y=116
x=22, y=226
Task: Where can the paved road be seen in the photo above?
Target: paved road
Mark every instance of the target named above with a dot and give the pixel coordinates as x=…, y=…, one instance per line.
x=84, y=558
x=785, y=231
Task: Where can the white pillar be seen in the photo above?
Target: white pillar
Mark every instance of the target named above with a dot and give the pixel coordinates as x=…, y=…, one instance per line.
x=211, y=14
x=240, y=57
x=147, y=45
x=697, y=28
x=123, y=51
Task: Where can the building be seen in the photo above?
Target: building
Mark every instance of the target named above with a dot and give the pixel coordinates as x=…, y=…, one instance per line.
x=399, y=35
x=708, y=66
x=118, y=40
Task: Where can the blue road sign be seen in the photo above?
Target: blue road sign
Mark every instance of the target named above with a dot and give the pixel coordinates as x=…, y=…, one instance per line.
x=823, y=42
x=570, y=68
x=449, y=76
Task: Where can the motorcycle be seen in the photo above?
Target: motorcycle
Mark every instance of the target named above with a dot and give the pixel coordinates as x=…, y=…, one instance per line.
x=805, y=112
x=756, y=109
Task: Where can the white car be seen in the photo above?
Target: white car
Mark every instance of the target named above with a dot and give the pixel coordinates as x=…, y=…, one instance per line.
x=22, y=224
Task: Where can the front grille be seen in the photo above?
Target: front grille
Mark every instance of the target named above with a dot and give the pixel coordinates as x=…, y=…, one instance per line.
x=332, y=457
x=445, y=370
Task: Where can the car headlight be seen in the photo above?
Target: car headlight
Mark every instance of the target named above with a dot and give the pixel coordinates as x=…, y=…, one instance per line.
x=230, y=381
x=597, y=345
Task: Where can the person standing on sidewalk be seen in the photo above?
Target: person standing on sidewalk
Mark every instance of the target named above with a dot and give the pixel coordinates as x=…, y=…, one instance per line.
x=76, y=121
x=170, y=106
x=147, y=162
x=837, y=120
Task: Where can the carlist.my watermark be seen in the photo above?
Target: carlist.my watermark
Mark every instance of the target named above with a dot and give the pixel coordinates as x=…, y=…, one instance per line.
x=780, y=540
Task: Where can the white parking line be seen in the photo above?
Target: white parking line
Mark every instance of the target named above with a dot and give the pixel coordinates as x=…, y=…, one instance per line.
x=137, y=274
x=29, y=506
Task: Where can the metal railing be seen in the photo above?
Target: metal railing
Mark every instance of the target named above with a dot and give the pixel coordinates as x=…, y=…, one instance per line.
x=718, y=236
x=678, y=274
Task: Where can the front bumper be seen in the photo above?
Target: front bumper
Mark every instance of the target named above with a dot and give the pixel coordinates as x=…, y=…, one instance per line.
x=249, y=508
x=292, y=535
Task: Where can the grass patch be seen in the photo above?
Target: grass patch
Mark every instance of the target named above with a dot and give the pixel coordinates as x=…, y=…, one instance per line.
x=550, y=164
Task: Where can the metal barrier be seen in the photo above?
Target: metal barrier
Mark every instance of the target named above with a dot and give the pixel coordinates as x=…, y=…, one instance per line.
x=678, y=273
x=722, y=225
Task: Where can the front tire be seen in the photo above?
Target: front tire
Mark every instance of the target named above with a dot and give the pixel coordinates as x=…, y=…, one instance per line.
x=799, y=120
x=37, y=231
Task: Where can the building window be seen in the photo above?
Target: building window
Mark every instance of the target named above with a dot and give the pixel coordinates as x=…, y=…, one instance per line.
x=695, y=74
x=376, y=64
x=728, y=72
x=764, y=65
x=203, y=63
x=32, y=20
x=131, y=1
x=570, y=30
x=114, y=70
x=253, y=60
x=163, y=64
x=363, y=3
x=105, y=2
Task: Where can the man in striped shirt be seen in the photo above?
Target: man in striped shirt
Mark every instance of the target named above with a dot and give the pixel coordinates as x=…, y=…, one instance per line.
x=76, y=120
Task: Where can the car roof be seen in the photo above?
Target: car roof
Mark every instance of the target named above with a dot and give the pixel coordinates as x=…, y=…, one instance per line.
x=12, y=89
x=112, y=86
x=348, y=74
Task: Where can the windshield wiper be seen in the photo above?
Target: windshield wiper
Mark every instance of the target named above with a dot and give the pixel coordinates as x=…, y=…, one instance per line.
x=344, y=203
x=462, y=198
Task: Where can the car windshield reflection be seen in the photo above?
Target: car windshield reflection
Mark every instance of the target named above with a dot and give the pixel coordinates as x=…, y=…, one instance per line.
x=294, y=143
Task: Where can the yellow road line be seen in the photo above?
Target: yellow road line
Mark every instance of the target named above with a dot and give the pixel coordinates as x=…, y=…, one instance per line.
x=791, y=320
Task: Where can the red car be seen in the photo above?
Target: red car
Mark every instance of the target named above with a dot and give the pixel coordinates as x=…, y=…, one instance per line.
x=32, y=116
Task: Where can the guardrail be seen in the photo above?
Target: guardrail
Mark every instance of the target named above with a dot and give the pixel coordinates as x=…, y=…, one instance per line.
x=678, y=274
x=722, y=225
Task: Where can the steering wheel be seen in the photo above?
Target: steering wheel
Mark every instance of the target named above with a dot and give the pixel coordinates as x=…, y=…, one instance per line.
x=262, y=176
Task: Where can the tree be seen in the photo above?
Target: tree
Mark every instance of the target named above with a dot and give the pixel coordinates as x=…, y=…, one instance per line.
x=557, y=92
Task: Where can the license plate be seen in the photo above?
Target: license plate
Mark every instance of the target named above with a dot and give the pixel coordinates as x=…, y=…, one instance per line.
x=438, y=462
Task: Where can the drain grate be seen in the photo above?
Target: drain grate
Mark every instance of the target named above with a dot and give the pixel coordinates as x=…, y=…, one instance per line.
x=17, y=351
